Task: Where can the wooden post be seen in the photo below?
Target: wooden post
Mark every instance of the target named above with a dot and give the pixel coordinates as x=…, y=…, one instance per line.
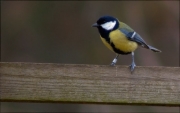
x=48, y=82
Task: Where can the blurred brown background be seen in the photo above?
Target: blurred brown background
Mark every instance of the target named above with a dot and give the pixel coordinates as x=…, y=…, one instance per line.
x=61, y=32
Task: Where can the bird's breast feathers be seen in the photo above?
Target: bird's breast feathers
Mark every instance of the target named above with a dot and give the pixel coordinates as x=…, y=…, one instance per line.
x=120, y=42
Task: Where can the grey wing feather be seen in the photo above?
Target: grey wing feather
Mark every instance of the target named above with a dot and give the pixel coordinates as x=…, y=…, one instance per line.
x=136, y=38
x=133, y=36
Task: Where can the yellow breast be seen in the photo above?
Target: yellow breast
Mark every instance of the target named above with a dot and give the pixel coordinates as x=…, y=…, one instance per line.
x=107, y=44
x=120, y=41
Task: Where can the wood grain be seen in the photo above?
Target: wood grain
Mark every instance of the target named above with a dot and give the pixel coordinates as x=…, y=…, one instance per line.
x=46, y=82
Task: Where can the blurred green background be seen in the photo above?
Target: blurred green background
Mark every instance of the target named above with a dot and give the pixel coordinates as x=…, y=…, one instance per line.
x=61, y=32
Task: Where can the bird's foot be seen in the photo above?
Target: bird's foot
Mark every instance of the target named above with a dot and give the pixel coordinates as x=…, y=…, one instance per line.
x=132, y=66
x=114, y=62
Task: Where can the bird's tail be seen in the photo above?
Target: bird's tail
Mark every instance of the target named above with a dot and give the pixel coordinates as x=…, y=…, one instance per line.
x=153, y=49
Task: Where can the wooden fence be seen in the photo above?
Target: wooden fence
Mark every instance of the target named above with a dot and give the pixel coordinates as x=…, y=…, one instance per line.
x=100, y=84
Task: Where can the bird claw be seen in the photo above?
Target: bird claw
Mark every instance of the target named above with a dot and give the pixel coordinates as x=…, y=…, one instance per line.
x=132, y=66
x=113, y=64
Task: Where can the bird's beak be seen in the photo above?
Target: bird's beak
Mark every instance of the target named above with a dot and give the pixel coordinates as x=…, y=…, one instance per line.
x=95, y=25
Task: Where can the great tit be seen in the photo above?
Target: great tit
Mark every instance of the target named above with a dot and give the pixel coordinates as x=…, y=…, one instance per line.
x=120, y=38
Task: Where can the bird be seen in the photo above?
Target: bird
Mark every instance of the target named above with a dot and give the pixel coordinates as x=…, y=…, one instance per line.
x=120, y=38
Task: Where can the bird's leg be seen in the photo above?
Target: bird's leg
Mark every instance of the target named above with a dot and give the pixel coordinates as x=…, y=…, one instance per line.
x=133, y=65
x=115, y=60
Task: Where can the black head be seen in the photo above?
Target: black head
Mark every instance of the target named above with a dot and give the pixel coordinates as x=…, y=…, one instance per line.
x=107, y=23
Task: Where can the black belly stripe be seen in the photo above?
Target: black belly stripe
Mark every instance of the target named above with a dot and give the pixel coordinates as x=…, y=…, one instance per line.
x=118, y=51
x=105, y=35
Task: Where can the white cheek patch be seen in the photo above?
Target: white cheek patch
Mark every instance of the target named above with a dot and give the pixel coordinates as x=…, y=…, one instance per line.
x=109, y=25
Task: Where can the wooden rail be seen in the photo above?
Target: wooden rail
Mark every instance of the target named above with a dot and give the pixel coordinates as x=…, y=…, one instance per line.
x=48, y=82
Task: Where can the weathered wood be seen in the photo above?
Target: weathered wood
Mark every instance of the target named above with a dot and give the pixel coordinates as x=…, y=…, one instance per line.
x=42, y=82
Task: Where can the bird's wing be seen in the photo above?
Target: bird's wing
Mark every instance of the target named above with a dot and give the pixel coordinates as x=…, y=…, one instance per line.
x=132, y=35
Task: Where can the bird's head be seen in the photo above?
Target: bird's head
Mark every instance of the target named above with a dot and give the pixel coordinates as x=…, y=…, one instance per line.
x=107, y=23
